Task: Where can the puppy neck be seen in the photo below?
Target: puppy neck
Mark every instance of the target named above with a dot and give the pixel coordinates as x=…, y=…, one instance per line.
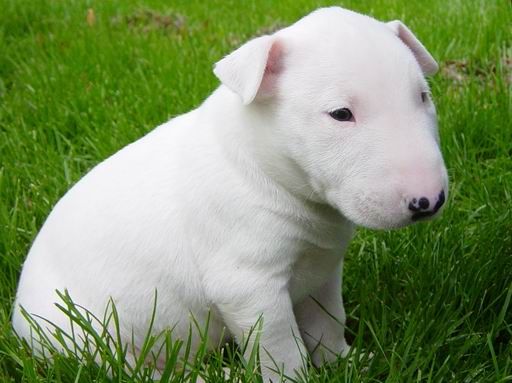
x=248, y=135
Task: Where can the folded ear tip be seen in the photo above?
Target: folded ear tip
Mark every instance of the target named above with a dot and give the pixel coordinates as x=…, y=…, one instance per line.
x=432, y=68
x=243, y=70
x=218, y=68
x=394, y=24
x=428, y=65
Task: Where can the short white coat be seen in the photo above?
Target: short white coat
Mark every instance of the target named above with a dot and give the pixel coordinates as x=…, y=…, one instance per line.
x=245, y=206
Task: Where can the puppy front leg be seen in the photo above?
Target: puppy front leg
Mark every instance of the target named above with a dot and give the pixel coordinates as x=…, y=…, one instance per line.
x=281, y=349
x=321, y=320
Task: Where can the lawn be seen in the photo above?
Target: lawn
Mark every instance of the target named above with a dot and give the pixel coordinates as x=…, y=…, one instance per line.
x=81, y=79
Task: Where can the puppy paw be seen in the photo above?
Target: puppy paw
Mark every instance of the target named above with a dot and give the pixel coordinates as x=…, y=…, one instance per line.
x=324, y=354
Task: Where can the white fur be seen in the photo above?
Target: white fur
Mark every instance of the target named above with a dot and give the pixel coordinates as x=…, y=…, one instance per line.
x=245, y=206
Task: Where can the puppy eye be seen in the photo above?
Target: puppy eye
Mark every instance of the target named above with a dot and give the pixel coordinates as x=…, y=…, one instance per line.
x=425, y=96
x=342, y=114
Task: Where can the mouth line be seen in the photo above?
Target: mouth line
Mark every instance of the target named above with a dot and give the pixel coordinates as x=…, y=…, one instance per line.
x=423, y=214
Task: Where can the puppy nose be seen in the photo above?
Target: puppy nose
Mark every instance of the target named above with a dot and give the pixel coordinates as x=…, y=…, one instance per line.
x=420, y=206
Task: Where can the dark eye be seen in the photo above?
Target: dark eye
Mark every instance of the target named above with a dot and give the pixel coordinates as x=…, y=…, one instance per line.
x=342, y=114
x=425, y=96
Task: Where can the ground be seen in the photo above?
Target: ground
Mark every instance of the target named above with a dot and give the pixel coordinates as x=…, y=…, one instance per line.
x=81, y=79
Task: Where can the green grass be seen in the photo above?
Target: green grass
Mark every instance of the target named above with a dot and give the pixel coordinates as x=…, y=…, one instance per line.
x=432, y=302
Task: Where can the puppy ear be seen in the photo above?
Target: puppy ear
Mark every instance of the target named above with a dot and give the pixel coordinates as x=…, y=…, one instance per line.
x=427, y=63
x=251, y=70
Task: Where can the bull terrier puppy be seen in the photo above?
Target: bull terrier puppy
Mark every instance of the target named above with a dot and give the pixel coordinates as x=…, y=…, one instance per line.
x=243, y=208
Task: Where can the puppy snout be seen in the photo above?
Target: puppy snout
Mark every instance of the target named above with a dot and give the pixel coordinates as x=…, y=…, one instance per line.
x=423, y=207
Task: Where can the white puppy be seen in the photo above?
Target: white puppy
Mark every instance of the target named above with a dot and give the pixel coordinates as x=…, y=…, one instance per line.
x=244, y=207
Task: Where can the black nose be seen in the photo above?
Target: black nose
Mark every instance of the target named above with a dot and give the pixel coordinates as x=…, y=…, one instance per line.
x=424, y=203
x=420, y=206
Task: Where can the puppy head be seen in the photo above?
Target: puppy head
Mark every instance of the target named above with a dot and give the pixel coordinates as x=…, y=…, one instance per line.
x=352, y=109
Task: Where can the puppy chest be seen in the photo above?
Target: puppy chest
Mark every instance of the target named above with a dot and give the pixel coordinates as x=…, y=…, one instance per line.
x=312, y=270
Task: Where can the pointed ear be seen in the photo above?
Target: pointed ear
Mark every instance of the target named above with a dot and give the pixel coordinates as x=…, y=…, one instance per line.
x=427, y=63
x=252, y=69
